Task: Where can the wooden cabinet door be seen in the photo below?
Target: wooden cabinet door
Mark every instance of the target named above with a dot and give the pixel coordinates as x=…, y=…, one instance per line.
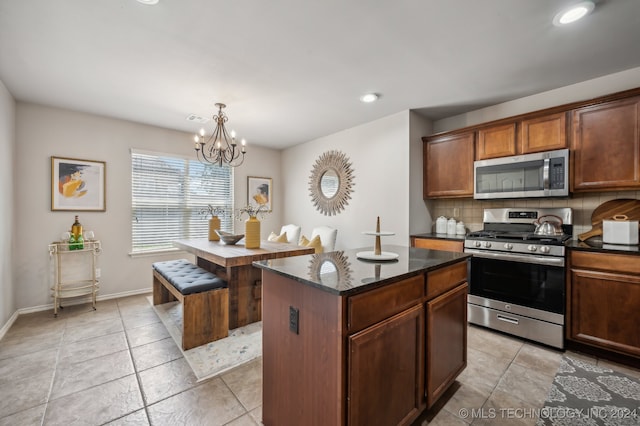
x=446, y=354
x=385, y=377
x=448, y=166
x=606, y=146
x=496, y=141
x=543, y=133
x=605, y=311
x=438, y=244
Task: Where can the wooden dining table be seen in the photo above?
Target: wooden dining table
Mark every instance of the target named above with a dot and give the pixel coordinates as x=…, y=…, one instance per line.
x=233, y=263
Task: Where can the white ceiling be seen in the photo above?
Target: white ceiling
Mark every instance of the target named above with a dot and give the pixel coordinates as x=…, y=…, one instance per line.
x=292, y=70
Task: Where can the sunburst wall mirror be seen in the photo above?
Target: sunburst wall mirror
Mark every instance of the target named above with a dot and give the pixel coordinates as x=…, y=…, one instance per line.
x=331, y=182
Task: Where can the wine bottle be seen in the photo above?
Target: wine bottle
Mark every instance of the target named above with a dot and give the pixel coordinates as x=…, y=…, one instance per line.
x=76, y=228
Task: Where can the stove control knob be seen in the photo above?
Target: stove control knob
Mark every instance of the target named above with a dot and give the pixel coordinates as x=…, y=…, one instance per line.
x=508, y=246
x=532, y=247
x=487, y=244
x=477, y=244
x=544, y=249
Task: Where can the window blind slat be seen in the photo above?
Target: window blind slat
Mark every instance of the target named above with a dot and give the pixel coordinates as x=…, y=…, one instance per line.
x=168, y=194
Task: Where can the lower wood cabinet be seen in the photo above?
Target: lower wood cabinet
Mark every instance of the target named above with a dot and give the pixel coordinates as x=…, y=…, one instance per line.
x=446, y=341
x=604, y=295
x=386, y=371
x=438, y=244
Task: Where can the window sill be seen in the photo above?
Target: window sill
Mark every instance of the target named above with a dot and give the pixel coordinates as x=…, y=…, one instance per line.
x=154, y=252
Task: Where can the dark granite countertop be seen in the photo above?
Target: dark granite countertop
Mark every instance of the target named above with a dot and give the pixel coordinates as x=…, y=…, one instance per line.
x=596, y=245
x=452, y=237
x=343, y=273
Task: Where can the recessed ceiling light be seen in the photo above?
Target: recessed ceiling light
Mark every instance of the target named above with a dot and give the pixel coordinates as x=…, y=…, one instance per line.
x=149, y=2
x=369, y=97
x=573, y=13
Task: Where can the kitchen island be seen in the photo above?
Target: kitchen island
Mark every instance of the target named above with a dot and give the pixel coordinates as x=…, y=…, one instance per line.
x=356, y=342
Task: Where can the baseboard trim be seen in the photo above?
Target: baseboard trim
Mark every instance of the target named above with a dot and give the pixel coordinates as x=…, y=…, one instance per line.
x=80, y=301
x=8, y=324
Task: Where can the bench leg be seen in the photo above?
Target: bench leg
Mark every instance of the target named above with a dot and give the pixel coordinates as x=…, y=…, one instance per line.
x=160, y=293
x=205, y=317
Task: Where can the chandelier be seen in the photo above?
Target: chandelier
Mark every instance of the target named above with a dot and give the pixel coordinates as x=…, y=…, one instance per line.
x=220, y=148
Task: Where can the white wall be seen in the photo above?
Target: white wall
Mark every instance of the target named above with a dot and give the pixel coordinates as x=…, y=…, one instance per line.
x=420, y=219
x=42, y=132
x=7, y=191
x=379, y=154
x=585, y=90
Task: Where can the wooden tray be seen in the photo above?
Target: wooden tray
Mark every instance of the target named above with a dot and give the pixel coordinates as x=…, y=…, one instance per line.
x=609, y=209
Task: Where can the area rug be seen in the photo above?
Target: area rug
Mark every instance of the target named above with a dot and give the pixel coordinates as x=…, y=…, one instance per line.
x=241, y=346
x=585, y=394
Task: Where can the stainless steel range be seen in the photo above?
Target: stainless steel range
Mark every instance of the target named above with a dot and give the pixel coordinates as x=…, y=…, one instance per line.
x=517, y=272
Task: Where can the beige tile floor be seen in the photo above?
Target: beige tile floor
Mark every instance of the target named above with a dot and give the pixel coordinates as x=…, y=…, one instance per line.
x=118, y=366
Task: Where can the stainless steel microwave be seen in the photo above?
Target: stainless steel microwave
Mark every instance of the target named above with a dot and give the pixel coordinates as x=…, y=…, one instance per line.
x=543, y=174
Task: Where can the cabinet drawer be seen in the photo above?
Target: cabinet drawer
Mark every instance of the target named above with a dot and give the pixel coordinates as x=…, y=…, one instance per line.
x=444, y=279
x=438, y=244
x=374, y=306
x=606, y=262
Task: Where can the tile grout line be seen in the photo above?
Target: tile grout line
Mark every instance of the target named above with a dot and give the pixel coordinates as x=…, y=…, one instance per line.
x=237, y=399
x=55, y=372
x=135, y=369
x=137, y=373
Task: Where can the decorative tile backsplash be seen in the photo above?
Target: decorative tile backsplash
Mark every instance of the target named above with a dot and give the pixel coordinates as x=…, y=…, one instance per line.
x=470, y=211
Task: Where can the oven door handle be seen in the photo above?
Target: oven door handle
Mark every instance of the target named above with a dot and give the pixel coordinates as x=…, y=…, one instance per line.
x=523, y=258
x=508, y=319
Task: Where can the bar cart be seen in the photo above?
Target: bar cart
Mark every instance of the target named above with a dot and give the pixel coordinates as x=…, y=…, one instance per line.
x=75, y=272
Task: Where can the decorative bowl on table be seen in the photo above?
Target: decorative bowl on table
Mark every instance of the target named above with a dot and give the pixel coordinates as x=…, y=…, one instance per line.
x=229, y=238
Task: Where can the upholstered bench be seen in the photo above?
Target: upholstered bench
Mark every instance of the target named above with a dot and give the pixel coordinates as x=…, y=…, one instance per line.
x=204, y=298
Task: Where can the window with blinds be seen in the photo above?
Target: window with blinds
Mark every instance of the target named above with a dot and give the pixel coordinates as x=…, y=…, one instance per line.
x=169, y=199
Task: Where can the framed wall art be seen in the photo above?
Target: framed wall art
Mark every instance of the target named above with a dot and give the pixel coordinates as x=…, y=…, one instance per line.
x=259, y=192
x=77, y=185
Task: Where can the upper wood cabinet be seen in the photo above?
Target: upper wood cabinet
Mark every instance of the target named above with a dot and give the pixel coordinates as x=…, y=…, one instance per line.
x=448, y=166
x=496, y=141
x=543, y=133
x=606, y=146
x=603, y=135
x=535, y=134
